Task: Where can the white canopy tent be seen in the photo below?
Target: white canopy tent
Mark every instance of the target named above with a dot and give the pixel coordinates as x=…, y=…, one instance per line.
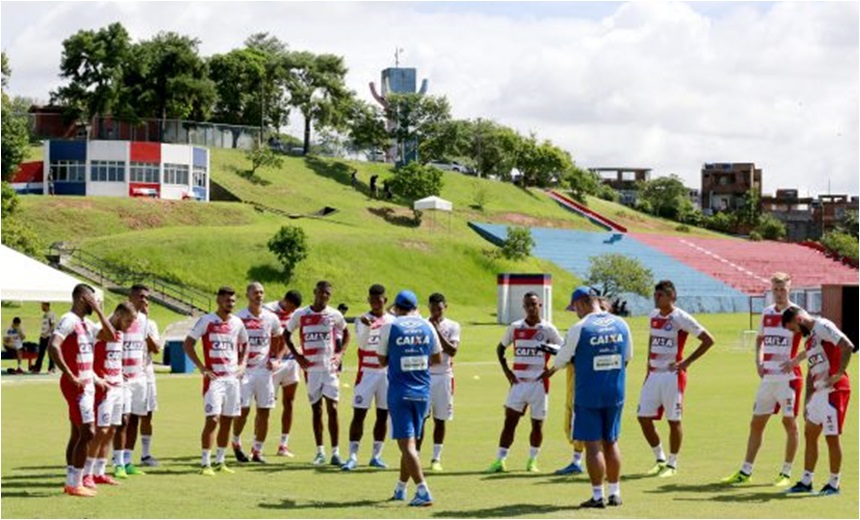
x=25, y=279
x=434, y=204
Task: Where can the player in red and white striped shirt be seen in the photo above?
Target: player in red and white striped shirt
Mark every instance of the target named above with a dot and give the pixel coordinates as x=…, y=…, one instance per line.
x=286, y=375
x=663, y=390
x=109, y=398
x=828, y=351
x=265, y=339
x=225, y=354
x=778, y=390
x=318, y=326
x=72, y=351
x=528, y=388
x=371, y=382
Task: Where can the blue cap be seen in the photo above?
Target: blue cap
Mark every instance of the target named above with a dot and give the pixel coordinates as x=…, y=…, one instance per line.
x=406, y=300
x=581, y=292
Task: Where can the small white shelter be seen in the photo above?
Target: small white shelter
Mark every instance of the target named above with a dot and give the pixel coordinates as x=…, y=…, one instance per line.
x=434, y=204
x=25, y=279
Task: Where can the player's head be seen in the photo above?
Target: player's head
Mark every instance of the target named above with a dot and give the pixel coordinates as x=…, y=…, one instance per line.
x=437, y=304
x=226, y=299
x=80, y=295
x=664, y=294
x=16, y=321
x=532, y=305
x=125, y=314
x=405, y=302
x=322, y=293
x=780, y=286
x=255, y=293
x=797, y=320
x=46, y=306
x=292, y=300
x=583, y=300
x=139, y=296
x=376, y=298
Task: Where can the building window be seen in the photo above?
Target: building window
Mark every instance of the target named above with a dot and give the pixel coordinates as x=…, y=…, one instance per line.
x=176, y=174
x=69, y=171
x=107, y=171
x=144, y=172
x=199, y=177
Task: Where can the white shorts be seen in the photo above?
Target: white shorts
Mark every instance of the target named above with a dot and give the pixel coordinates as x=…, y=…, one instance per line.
x=135, y=396
x=151, y=395
x=370, y=386
x=662, y=392
x=529, y=393
x=775, y=395
x=321, y=384
x=257, y=384
x=287, y=374
x=110, y=407
x=442, y=396
x=828, y=410
x=221, y=397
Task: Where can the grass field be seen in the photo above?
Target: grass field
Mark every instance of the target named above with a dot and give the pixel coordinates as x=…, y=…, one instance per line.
x=718, y=403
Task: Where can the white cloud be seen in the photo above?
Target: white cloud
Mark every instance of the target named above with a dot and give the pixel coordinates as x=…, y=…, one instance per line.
x=656, y=84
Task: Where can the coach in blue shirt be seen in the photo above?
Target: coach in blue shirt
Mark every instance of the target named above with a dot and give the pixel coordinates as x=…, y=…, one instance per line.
x=599, y=346
x=408, y=346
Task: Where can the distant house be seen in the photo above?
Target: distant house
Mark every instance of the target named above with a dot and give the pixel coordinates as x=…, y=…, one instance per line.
x=623, y=180
x=726, y=185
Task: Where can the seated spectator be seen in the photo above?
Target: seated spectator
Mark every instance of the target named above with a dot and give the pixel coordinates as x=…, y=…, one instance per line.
x=13, y=341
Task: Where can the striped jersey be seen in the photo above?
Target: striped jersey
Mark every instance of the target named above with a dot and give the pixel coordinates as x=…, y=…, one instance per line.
x=77, y=347
x=134, y=349
x=261, y=329
x=451, y=330
x=283, y=317
x=317, y=333
x=108, y=360
x=529, y=361
x=824, y=356
x=778, y=345
x=221, y=343
x=668, y=337
x=368, y=341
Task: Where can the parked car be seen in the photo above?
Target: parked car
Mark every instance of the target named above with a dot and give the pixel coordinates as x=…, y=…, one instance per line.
x=452, y=166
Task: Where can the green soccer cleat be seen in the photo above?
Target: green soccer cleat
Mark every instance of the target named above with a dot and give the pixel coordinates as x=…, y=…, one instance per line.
x=208, y=471
x=498, y=466
x=531, y=465
x=131, y=469
x=222, y=468
x=119, y=472
x=782, y=480
x=658, y=467
x=436, y=466
x=738, y=477
x=668, y=471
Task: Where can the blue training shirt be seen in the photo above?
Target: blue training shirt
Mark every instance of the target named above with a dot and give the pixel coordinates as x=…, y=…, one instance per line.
x=409, y=342
x=599, y=346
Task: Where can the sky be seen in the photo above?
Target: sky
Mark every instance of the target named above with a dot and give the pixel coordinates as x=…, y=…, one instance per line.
x=661, y=85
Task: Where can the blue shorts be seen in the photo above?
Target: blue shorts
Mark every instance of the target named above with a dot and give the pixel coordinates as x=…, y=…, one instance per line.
x=407, y=417
x=597, y=424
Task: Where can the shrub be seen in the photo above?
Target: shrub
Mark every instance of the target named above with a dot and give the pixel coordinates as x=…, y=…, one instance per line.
x=290, y=245
x=683, y=228
x=415, y=181
x=519, y=243
x=263, y=157
x=770, y=227
x=755, y=236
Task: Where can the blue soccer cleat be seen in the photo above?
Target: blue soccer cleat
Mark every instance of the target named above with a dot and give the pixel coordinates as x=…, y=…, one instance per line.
x=349, y=466
x=421, y=499
x=399, y=495
x=571, y=469
x=800, y=487
x=376, y=462
x=828, y=490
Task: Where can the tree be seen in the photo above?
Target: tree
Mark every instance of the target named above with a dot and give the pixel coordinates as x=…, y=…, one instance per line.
x=16, y=233
x=290, y=245
x=770, y=228
x=494, y=148
x=263, y=157
x=14, y=133
x=540, y=162
x=415, y=181
x=666, y=195
x=317, y=88
x=366, y=127
x=840, y=243
x=445, y=140
x=581, y=182
x=848, y=224
x=518, y=244
x=416, y=117
x=167, y=78
x=617, y=273
x=94, y=63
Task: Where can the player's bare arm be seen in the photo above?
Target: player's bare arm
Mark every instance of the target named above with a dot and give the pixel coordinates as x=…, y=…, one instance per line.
x=846, y=348
x=57, y=355
x=188, y=347
x=707, y=341
x=383, y=360
x=436, y=358
x=759, y=355
x=447, y=347
x=788, y=366
x=300, y=359
x=500, y=352
x=108, y=331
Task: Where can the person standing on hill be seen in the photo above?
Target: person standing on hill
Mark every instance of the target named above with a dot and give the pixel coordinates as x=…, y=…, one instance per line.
x=663, y=390
x=318, y=326
x=774, y=345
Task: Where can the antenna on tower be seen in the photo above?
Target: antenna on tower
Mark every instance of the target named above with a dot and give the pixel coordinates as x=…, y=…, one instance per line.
x=397, y=52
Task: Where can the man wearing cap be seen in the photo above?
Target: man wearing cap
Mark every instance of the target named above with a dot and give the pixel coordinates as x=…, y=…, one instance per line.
x=529, y=389
x=599, y=346
x=408, y=346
